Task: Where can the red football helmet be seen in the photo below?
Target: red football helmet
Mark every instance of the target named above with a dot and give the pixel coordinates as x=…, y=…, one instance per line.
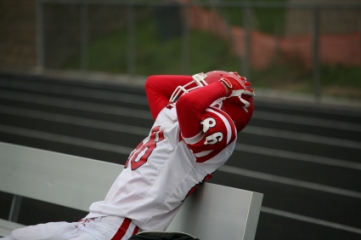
x=239, y=108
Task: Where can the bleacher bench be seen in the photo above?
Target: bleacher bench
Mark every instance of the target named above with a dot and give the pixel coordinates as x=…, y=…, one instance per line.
x=213, y=212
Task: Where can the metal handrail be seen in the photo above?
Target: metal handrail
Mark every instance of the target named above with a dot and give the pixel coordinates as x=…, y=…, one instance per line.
x=244, y=6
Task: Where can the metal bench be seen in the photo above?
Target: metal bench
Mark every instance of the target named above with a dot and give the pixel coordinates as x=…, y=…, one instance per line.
x=213, y=212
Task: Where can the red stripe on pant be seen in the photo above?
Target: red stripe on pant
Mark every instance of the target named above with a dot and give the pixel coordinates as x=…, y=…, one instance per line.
x=136, y=230
x=123, y=229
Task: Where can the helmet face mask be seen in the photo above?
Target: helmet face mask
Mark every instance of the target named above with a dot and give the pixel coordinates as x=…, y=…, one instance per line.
x=239, y=108
x=198, y=82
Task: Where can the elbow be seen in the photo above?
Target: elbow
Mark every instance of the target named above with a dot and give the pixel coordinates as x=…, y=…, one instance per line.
x=188, y=116
x=149, y=82
x=182, y=104
x=186, y=105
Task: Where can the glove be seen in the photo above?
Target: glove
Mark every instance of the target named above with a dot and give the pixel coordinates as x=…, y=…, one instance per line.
x=237, y=86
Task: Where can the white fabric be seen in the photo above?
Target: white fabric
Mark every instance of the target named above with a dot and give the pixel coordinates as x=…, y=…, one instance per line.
x=151, y=194
x=101, y=228
x=8, y=238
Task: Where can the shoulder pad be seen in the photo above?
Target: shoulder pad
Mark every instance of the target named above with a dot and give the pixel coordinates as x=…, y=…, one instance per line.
x=218, y=130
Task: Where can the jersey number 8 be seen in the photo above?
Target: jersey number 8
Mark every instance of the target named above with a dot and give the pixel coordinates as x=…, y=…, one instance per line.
x=140, y=155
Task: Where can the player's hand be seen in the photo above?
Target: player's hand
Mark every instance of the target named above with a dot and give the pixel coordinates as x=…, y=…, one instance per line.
x=237, y=86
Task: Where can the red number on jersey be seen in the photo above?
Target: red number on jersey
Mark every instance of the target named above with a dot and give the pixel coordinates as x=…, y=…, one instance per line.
x=140, y=155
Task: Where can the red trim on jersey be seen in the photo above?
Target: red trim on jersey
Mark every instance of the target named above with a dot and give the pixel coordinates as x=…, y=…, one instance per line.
x=180, y=138
x=208, y=156
x=122, y=230
x=206, y=178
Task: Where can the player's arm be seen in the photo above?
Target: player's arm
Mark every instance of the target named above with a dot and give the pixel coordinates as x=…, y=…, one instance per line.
x=192, y=105
x=159, y=88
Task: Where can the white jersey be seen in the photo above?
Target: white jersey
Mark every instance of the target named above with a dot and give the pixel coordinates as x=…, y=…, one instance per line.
x=165, y=168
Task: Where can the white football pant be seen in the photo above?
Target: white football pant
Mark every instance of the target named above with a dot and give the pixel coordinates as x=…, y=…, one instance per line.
x=100, y=228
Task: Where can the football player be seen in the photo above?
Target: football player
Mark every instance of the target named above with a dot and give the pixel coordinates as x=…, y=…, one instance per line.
x=196, y=120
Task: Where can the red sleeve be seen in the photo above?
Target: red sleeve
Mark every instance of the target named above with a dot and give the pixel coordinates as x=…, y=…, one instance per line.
x=217, y=133
x=192, y=105
x=159, y=88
